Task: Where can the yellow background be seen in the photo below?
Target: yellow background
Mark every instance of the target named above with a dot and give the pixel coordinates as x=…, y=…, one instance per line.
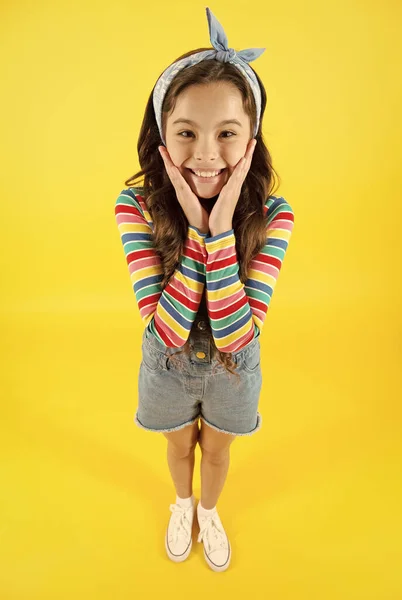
x=312, y=501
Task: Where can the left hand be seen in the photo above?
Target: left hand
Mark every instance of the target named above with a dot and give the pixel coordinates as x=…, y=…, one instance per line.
x=220, y=218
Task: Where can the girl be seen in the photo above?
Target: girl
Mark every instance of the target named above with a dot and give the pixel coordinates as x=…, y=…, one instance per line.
x=204, y=240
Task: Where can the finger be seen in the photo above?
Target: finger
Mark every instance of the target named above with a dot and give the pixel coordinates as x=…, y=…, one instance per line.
x=243, y=166
x=170, y=167
x=174, y=173
x=165, y=156
x=248, y=157
x=250, y=151
x=245, y=160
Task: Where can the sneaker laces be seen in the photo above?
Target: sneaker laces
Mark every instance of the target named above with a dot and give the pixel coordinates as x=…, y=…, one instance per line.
x=181, y=521
x=212, y=533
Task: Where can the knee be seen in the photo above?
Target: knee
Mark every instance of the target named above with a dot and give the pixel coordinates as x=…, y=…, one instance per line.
x=216, y=456
x=215, y=445
x=181, y=450
x=182, y=443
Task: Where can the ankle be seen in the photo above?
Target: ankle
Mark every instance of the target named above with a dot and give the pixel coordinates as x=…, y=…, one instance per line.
x=187, y=501
x=205, y=511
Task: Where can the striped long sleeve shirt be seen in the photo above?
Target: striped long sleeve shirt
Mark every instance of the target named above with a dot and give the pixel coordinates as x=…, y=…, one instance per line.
x=208, y=267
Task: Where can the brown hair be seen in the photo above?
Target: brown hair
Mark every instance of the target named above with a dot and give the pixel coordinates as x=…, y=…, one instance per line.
x=170, y=222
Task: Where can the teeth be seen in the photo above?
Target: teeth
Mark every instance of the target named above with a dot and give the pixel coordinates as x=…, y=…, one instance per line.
x=204, y=174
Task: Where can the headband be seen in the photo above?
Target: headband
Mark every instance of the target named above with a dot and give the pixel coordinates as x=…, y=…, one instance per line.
x=222, y=53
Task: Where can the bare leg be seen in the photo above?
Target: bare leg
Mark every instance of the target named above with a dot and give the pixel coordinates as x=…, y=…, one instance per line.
x=181, y=458
x=181, y=465
x=214, y=469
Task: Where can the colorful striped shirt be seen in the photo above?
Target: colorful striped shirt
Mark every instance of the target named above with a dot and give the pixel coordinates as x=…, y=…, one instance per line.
x=208, y=269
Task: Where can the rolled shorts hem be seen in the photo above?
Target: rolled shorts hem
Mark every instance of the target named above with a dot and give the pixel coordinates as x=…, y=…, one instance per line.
x=176, y=428
x=256, y=428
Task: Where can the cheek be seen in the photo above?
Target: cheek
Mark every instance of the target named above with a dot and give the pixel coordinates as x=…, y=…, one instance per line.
x=176, y=153
x=234, y=155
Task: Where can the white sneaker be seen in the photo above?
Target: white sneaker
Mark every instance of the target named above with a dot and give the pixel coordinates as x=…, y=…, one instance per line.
x=217, y=549
x=178, y=539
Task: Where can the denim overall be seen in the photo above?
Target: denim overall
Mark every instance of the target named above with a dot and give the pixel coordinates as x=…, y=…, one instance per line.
x=175, y=391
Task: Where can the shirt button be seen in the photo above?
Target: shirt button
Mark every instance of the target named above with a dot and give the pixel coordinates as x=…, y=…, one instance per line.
x=201, y=325
x=200, y=354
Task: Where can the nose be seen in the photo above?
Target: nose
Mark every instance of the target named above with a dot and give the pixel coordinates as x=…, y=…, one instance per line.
x=206, y=151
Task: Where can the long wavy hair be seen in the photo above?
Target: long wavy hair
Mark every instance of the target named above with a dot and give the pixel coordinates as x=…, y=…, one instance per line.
x=170, y=222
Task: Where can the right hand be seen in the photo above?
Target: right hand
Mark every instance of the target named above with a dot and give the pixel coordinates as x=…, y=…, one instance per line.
x=196, y=215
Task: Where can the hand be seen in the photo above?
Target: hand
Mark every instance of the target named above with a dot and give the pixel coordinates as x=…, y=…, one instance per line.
x=220, y=218
x=196, y=215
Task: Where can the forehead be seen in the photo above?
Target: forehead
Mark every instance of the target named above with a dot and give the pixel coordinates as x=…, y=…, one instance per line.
x=209, y=105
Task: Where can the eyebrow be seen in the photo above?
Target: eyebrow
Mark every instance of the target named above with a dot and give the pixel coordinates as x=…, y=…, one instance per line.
x=225, y=122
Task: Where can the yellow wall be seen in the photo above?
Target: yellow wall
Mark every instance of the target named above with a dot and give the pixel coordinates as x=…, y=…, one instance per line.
x=312, y=502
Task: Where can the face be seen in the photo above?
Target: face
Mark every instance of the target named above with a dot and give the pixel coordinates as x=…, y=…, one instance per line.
x=205, y=144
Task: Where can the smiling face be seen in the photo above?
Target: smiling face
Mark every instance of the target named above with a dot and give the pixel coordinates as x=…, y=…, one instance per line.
x=206, y=144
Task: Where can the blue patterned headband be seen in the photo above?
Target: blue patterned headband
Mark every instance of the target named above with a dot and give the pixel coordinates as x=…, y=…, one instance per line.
x=222, y=53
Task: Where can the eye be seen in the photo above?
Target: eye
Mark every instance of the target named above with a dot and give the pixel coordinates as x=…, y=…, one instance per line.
x=187, y=131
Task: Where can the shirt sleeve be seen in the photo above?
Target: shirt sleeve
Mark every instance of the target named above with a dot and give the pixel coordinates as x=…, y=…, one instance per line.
x=237, y=311
x=168, y=313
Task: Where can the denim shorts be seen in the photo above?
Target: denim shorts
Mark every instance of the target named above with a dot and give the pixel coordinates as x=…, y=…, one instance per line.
x=176, y=391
